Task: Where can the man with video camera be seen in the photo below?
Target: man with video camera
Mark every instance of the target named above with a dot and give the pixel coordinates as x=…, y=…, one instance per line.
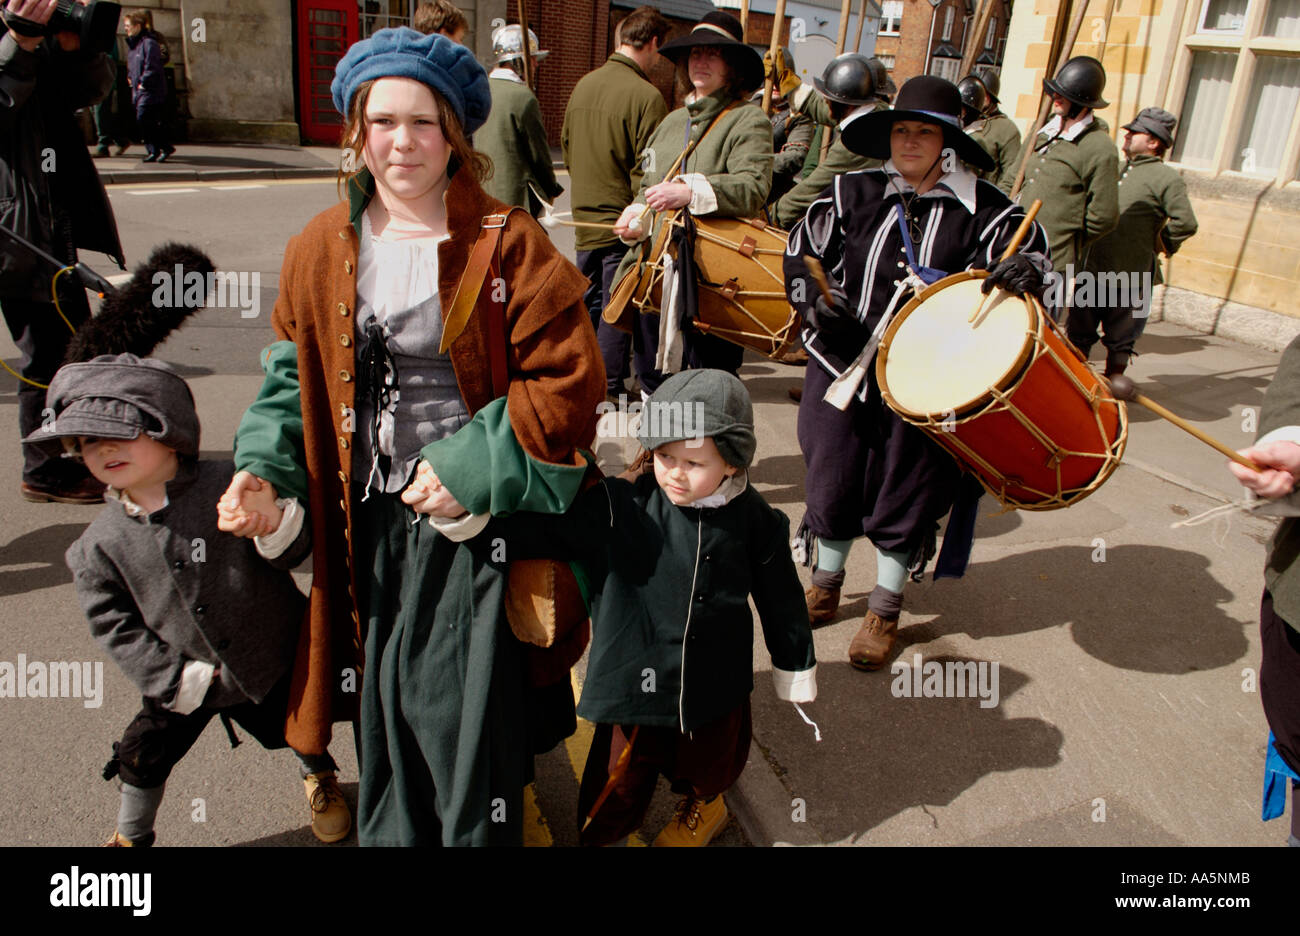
x=52, y=61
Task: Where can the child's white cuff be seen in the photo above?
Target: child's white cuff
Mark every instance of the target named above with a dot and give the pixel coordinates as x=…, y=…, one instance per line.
x=276, y=542
x=459, y=529
x=798, y=686
x=196, y=677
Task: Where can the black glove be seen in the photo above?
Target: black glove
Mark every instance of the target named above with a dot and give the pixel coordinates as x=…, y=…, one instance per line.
x=1016, y=275
x=833, y=319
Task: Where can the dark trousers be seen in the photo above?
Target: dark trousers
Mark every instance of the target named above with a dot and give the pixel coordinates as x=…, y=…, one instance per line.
x=158, y=738
x=1120, y=329
x=149, y=118
x=599, y=266
x=704, y=763
x=42, y=338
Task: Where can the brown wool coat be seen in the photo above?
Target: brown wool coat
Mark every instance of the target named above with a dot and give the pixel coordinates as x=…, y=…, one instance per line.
x=556, y=381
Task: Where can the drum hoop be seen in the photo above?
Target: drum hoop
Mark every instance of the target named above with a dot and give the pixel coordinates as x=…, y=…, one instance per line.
x=971, y=407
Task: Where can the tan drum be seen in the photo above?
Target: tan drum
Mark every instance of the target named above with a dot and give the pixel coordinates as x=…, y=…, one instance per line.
x=741, y=289
x=1009, y=397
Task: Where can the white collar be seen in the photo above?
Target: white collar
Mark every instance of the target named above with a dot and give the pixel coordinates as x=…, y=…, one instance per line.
x=854, y=114
x=960, y=184
x=727, y=491
x=1053, y=127
x=131, y=507
x=509, y=74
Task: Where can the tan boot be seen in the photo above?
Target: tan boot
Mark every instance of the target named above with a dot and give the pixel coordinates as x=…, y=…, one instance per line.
x=822, y=603
x=331, y=820
x=874, y=642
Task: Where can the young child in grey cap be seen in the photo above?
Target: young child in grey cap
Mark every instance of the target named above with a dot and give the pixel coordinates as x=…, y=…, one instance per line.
x=167, y=594
x=671, y=561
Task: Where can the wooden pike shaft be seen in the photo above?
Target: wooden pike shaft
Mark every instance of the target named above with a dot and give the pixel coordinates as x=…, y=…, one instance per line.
x=778, y=19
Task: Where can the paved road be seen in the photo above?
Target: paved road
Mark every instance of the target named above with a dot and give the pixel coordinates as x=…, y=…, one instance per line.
x=1120, y=682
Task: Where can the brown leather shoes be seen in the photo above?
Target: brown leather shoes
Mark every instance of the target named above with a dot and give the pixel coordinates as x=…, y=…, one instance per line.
x=874, y=642
x=796, y=394
x=822, y=603
x=89, y=491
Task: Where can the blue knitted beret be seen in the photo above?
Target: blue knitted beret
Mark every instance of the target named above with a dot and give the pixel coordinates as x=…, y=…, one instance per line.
x=436, y=61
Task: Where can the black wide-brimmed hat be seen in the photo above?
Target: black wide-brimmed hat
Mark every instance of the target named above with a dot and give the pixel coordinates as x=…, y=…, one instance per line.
x=925, y=98
x=722, y=30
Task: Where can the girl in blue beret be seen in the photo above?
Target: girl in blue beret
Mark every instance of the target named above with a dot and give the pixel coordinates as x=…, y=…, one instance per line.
x=436, y=365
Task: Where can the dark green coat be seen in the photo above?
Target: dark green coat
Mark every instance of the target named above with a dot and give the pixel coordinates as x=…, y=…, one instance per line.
x=1150, y=194
x=607, y=125
x=1078, y=182
x=1280, y=417
x=515, y=140
x=672, y=632
x=1000, y=138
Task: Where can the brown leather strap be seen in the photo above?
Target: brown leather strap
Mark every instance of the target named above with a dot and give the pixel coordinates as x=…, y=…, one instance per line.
x=691, y=147
x=473, y=278
x=496, y=328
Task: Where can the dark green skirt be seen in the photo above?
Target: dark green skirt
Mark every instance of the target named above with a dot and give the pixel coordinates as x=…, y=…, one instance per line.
x=444, y=724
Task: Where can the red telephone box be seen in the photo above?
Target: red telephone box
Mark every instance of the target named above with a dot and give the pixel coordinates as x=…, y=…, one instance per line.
x=325, y=30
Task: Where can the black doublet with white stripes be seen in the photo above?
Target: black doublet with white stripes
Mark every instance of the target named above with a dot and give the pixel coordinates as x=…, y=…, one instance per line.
x=853, y=232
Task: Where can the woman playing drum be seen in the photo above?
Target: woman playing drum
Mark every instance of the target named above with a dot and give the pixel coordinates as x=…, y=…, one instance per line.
x=727, y=174
x=878, y=233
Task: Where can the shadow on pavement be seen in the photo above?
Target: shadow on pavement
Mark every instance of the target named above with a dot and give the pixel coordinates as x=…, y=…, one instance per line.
x=1203, y=397
x=43, y=548
x=1145, y=608
x=897, y=752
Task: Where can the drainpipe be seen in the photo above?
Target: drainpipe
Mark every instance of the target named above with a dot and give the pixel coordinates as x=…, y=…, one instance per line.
x=934, y=16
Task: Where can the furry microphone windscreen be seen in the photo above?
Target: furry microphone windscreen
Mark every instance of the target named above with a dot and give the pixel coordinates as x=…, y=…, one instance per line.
x=162, y=293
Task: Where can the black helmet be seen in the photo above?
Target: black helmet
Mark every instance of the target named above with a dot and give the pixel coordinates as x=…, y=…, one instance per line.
x=885, y=87
x=847, y=79
x=989, y=79
x=973, y=98
x=1080, y=81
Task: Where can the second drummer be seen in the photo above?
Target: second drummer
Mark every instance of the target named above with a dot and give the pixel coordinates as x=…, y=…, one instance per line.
x=728, y=174
x=878, y=233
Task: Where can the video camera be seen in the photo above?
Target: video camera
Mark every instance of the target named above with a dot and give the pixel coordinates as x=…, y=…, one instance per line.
x=95, y=23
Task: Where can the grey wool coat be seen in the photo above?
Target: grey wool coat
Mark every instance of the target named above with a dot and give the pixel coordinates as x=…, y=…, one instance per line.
x=168, y=588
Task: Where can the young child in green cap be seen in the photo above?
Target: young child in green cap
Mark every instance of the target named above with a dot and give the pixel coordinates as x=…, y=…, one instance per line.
x=672, y=560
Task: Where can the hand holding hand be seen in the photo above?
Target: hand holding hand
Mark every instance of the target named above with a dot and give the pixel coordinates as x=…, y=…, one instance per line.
x=248, y=507
x=1281, y=464
x=426, y=495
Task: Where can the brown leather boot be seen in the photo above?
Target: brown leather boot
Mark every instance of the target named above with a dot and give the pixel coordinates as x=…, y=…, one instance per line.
x=822, y=603
x=874, y=642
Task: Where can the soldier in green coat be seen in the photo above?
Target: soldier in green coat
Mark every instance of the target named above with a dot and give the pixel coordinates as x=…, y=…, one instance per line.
x=1155, y=216
x=993, y=130
x=513, y=137
x=1074, y=169
x=847, y=91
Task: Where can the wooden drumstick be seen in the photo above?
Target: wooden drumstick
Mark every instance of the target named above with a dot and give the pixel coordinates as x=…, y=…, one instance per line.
x=1123, y=388
x=819, y=277
x=978, y=315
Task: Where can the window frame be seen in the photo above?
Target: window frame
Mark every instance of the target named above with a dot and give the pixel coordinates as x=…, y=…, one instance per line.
x=1250, y=46
x=886, y=18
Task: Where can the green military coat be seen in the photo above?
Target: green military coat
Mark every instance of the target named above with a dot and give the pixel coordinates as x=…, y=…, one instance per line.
x=607, y=125
x=1077, y=181
x=1000, y=138
x=1154, y=214
x=515, y=140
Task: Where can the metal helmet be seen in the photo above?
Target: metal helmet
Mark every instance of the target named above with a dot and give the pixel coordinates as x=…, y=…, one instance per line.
x=507, y=44
x=885, y=87
x=990, y=80
x=847, y=79
x=973, y=94
x=1080, y=81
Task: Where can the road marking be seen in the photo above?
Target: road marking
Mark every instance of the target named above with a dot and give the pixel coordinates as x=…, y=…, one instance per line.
x=137, y=187
x=117, y=279
x=234, y=188
x=161, y=191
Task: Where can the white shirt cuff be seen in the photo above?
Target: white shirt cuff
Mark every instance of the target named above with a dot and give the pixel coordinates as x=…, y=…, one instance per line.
x=460, y=529
x=800, y=96
x=196, y=677
x=703, y=199
x=798, y=686
x=275, y=543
